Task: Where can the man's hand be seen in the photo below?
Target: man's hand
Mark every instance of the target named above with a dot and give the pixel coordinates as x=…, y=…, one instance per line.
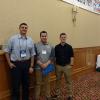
x=44, y=65
x=31, y=70
x=11, y=65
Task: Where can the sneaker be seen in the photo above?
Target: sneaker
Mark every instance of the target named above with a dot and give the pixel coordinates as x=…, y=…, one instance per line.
x=54, y=97
x=48, y=98
x=69, y=98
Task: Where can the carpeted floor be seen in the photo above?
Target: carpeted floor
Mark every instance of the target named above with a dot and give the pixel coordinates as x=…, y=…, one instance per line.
x=86, y=87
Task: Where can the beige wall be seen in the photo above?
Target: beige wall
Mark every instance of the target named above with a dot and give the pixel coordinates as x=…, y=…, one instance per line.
x=53, y=16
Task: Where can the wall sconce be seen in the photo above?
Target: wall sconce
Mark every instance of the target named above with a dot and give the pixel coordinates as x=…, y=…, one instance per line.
x=74, y=13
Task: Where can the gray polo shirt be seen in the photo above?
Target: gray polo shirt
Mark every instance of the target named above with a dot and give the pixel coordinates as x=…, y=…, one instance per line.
x=44, y=52
x=16, y=44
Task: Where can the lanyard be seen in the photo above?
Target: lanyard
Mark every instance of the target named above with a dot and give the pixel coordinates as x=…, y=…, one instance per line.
x=20, y=46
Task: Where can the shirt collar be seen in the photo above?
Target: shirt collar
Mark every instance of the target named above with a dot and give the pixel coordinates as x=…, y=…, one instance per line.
x=63, y=44
x=43, y=43
x=22, y=37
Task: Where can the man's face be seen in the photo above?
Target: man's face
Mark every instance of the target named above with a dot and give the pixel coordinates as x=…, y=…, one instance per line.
x=23, y=29
x=43, y=37
x=63, y=38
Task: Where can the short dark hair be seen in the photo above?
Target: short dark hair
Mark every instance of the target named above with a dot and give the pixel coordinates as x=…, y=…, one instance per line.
x=62, y=34
x=42, y=32
x=23, y=24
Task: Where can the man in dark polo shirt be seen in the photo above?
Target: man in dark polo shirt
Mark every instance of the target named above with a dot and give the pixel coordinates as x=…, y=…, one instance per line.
x=64, y=62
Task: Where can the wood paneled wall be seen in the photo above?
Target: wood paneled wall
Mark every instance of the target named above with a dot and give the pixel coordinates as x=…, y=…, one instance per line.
x=84, y=60
x=4, y=79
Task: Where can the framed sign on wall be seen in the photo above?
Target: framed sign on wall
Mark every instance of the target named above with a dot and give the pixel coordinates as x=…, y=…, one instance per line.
x=90, y=5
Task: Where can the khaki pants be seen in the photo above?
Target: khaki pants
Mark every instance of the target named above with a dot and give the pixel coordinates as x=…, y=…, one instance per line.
x=42, y=85
x=66, y=70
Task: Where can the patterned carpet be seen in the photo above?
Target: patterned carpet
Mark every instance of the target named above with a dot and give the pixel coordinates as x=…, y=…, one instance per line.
x=86, y=87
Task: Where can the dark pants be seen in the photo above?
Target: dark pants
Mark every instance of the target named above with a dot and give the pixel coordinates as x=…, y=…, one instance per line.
x=20, y=74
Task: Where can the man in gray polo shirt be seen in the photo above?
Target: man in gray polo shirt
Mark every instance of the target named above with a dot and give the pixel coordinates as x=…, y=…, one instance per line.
x=44, y=56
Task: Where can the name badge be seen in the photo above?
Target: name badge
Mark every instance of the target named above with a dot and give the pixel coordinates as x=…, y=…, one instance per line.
x=44, y=52
x=23, y=53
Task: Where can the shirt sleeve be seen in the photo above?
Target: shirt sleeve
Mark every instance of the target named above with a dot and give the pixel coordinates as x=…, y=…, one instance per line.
x=55, y=50
x=72, y=52
x=52, y=55
x=32, y=49
x=9, y=46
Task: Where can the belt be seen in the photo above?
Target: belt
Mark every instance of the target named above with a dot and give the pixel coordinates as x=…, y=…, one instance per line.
x=21, y=61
